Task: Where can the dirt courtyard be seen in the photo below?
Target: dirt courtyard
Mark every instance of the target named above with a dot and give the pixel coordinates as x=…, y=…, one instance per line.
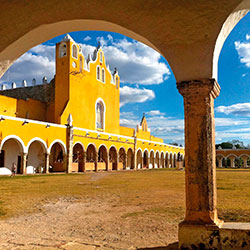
x=117, y=210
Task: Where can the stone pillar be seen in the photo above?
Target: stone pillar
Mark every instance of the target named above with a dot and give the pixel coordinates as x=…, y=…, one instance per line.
x=96, y=161
x=69, y=161
x=200, y=174
x=244, y=158
x=23, y=163
x=46, y=163
x=84, y=157
x=232, y=158
x=220, y=162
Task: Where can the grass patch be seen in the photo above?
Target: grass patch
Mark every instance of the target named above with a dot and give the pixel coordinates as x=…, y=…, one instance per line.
x=159, y=193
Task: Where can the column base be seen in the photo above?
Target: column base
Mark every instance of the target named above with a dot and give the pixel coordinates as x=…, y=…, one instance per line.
x=229, y=236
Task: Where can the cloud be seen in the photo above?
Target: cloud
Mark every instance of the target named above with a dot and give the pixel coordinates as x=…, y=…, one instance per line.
x=136, y=62
x=239, y=109
x=133, y=95
x=87, y=38
x=36, y=63
x=154, y=113
x=243, y=50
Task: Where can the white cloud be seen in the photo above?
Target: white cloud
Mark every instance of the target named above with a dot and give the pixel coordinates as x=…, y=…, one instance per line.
x=239, y=109
x=136, y=62
x=247, y=37
x=36, y=63
x=243, y=50
x=133, y=95
x=154, y=113
x=87, y=38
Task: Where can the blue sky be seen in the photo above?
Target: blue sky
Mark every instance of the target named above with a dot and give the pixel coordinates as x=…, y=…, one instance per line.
x=148, y=84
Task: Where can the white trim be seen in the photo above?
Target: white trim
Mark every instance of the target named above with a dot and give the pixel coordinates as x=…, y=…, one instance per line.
x=18, y=139
x=104, y=133
x=44, y=145
x=59, y=142
x=123, y=149
x=138, y=149
x=157, y=151
x=32, y=121
x=160, y=143
x=104, y=112
x=146, y=151
x=131, y=150
x=232, y=155
x=78, y=142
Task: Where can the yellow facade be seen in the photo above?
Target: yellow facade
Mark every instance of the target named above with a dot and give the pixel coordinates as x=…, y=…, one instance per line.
x=78, y=129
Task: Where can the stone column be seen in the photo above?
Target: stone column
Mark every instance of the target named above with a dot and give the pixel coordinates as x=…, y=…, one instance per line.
x=46, y=163
x=219, y=161
x=84, y=157
x=200, y=174
x=232, y=158
x=23, y=163
x=69, y=161
x=244, y=158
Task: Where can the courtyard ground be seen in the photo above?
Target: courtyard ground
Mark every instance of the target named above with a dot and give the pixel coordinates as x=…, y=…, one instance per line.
x=107, y=210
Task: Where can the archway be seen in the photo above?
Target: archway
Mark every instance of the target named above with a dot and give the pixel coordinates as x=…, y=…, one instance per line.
x=57, y=159
x=78, y=158
x=102, y=158
x=145, y=159
x=36, y=158
x=113, y=158
x=162, y=160
x=11, y=152
x=166, y=161
x=151, y=164
x=130, y=162
x=91, y=161
x=122, y=159
x=139, y=159
x=171, y=160
x=157, y=160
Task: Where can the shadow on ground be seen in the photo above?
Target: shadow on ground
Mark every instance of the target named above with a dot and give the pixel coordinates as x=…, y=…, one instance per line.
x=173, y=246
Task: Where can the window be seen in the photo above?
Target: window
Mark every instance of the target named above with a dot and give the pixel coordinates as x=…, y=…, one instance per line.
x=103, y=75
x=74, y=51
x=80, y=64
x=98, y=73
x=101, y=57
x=117, y=82
x=63, y=50
x=100, y=115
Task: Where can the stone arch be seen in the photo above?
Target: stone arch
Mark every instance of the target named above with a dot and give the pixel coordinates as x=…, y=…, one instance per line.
x=36, y=157
x=91, y=158
x=61, y=144
x=113, y=158
x=145, y=159
x=139, y=158
x=78, y=164
x=122, y=158
x=12, y=149
x=102, y=157
x=226, y=29
x=130, y=161
x=151, y=159
x=57, y=159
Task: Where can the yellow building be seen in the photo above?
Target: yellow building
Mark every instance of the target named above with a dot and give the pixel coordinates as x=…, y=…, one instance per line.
x=72, y=123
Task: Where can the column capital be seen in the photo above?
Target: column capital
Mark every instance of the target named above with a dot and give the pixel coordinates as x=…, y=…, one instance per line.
x=201, y=87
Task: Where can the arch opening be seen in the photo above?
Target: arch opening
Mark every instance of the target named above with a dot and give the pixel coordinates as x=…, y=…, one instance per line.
x=78, y=158
x=57, y=158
